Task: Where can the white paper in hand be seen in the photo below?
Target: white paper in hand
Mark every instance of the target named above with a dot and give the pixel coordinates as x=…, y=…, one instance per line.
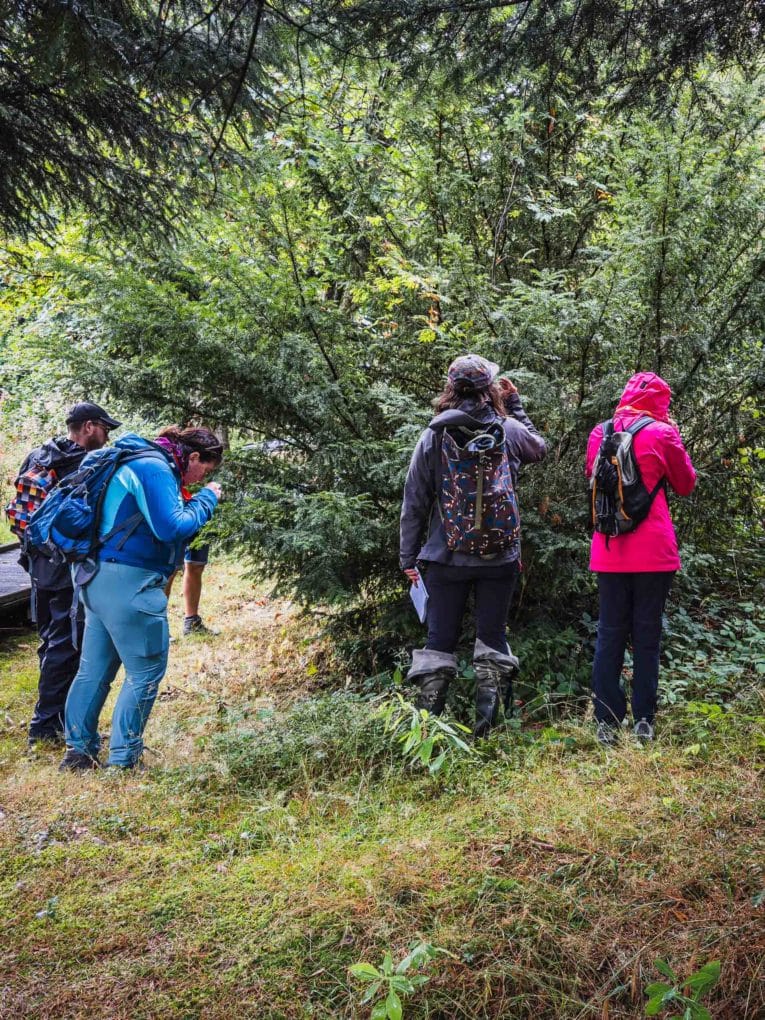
x=418, y=593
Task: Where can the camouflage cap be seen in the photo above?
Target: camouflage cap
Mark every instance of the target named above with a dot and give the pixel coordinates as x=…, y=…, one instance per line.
x=474, y=369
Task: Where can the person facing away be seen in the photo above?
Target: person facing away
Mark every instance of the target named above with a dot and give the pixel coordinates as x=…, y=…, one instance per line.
x=479, y=551
x=125, y=602
x=88, y=427
x=635, y=570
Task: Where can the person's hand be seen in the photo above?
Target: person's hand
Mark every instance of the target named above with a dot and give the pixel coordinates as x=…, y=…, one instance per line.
x=413, y=576
x=507, y=387
x=215, y=488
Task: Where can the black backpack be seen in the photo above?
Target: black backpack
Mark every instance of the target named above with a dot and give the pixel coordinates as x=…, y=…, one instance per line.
x=619, y=500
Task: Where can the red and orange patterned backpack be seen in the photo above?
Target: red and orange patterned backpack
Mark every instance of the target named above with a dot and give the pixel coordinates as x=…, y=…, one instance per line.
x=32, y=487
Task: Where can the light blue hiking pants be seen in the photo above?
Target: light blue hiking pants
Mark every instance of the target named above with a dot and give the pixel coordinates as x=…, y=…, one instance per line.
x=125, y=623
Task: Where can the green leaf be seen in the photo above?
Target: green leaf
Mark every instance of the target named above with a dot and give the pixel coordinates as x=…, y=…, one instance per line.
x=704, y=978
x=365, y=971
x=410, y=741
x=656, y=1005
x=426, y=750
x=370, y=993
x=402, y=985
x=664, y=968
x=698, y=1012
x=462, y=745
x=379, y=1012
x=657, y=988
x=393, y=1006
x=403, y=966
x=706, y=975
x=387, y=966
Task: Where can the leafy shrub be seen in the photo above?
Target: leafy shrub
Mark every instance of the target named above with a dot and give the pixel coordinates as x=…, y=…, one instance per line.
x=705, y=727
x=682, y=994
x=389, y=983
x=425, y=740
x=556, y=664
x=712, y=651
x=319, y=739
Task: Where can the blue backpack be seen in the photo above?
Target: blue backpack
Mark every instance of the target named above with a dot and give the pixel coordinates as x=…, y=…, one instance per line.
x=65, y=526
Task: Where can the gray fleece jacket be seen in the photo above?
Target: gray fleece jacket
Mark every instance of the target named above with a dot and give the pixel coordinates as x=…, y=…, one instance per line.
x=419, y=513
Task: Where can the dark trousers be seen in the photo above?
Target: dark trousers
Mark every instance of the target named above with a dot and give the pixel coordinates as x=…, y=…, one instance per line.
x=58, y=657
x=631, y=606
x=448, y=590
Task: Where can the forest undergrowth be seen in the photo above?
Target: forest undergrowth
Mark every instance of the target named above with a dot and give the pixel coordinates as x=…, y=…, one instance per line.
x=280, y=845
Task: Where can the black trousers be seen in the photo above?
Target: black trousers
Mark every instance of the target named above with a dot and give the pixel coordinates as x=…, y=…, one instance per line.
x=631, y=606
x=59, y=660
x=448, y=591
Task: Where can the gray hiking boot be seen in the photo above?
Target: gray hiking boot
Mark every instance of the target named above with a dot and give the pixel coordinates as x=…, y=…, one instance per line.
x=643, y=731
x=607, y=734
x=193, y=625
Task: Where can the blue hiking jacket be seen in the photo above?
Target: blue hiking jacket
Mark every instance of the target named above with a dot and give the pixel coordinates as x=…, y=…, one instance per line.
x=153, y=487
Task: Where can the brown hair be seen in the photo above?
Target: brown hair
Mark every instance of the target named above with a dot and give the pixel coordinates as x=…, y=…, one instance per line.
x=455, y=393
x=196, y=440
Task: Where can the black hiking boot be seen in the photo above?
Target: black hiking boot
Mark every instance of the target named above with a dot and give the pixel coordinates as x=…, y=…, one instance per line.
x=78, y=761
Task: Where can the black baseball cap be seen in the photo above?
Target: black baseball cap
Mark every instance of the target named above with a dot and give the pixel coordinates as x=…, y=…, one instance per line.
x=91, y=412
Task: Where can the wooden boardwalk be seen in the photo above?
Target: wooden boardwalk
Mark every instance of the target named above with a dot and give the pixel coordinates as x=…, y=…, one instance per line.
x=15, y=587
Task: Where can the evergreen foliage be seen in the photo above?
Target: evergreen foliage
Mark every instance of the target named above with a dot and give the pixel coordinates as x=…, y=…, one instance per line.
x=121, y=107
x=386, y=223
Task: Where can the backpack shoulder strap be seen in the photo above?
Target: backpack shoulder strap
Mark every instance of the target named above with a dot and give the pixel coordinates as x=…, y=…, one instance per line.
x=130, y=524
x=640, y=424
x=125, y=456
x=633, y=431
x=145, y=454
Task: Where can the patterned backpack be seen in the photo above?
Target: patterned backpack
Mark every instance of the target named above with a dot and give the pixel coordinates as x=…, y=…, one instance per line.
x=32, y=487
x=477, y=499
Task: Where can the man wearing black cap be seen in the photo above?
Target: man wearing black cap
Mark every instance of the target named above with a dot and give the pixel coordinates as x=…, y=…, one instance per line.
x=88, y=429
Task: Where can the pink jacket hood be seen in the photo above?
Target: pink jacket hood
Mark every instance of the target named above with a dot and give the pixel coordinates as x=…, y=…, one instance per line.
x=661, y=456
x=646, y=393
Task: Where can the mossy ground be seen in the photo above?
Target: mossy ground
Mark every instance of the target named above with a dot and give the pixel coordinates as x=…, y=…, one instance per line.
x=552, y=873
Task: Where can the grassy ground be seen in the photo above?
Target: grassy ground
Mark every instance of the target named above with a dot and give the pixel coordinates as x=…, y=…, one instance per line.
x=265, y=850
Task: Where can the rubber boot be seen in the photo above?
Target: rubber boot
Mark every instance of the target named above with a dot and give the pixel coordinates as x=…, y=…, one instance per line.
x=433, y=688
x=433, y=671
x=494, y=672
x=488, y=695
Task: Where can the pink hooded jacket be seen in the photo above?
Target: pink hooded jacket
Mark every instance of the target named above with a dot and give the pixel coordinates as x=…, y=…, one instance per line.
x=660, y=453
